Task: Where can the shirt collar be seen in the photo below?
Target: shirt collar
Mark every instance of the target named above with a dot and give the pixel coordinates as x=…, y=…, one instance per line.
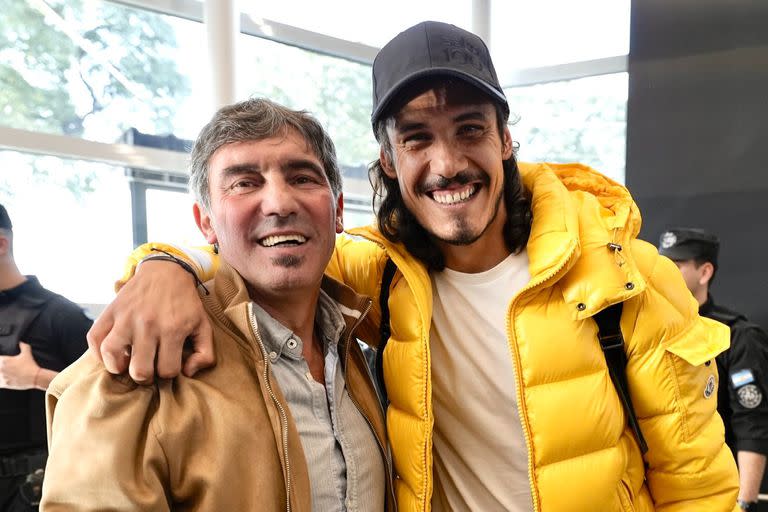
x=329, y=323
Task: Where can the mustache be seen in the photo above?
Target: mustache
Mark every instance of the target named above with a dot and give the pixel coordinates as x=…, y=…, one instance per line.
x=460, y=178
x=275, y=222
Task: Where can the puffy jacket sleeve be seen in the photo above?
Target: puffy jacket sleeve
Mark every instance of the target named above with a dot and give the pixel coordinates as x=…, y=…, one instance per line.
x=360, y=264
x=202, y=259
x=103, y=453
x=673, y=377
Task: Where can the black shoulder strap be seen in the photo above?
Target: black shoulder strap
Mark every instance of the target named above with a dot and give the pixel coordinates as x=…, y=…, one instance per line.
x=612, y=343
x=389, y=273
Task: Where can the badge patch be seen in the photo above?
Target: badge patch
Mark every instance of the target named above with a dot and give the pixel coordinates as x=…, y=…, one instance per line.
x=710, y=387
x=668, y=239
x=750, y=396
x=741, y=378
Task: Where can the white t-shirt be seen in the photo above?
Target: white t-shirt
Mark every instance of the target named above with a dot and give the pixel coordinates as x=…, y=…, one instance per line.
x=480, y=456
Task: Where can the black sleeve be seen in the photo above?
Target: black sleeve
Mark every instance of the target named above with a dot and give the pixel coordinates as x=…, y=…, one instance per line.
x=747, y=382
x=72, y=323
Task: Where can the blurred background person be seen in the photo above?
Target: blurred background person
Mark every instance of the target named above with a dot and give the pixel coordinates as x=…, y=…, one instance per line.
x=743, y=368
x=40, y=334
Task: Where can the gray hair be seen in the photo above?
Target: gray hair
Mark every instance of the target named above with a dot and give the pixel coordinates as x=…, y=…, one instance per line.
x=258, y=119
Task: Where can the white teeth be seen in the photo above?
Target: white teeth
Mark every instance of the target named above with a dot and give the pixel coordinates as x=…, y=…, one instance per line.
x=454, y=197
x=274, y=240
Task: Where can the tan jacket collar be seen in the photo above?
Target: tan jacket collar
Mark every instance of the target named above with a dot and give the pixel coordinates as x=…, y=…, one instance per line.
x=229, y=300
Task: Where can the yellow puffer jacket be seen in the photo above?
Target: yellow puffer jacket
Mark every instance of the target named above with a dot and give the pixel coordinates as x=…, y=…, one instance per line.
x=583, y=456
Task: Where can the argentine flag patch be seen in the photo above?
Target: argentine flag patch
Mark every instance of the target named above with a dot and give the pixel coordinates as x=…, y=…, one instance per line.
x=742, y=378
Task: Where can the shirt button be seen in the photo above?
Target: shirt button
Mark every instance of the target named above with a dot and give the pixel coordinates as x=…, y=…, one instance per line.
x=273, y=356
x=291, y=344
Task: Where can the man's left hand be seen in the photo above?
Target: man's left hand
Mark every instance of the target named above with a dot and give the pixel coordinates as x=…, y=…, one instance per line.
x=19, y=371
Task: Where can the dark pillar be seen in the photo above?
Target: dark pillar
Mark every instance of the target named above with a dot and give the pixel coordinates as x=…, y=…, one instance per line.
x=697, y=132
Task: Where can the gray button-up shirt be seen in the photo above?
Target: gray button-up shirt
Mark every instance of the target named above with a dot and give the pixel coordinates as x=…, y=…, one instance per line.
x=346, y=471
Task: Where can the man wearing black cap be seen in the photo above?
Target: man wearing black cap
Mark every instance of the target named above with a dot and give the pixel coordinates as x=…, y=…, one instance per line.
x=492, y=275
x=40, y=334
x=744, y=367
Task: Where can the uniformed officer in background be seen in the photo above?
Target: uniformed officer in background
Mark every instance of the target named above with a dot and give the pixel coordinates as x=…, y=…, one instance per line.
x=743, y=368
x=41, y=333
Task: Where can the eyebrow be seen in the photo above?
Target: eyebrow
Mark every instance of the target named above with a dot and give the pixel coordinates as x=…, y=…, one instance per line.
x=291, y=165
x=473, y=115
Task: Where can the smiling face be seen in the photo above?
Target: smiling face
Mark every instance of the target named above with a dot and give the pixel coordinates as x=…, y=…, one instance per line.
x=447, y=156
x=272, y=213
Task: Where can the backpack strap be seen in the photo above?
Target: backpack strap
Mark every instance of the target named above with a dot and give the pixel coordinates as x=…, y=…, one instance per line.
x=384, y=330
x=612, y=343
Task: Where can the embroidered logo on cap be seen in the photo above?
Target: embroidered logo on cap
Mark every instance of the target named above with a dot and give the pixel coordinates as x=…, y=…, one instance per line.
x=710, y=387
x=750, y=396
x=464, y=51
x=668, y=239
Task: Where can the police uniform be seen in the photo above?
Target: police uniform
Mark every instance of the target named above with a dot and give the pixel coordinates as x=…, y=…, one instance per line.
x=55, y=329
x=743, y=368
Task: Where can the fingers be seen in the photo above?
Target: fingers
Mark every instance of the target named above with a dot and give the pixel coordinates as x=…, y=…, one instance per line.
x=25, y=349
x=114, y=352
x=143, y=351
x=109, y=342
x=99, y=331
x=169, y=355
x=202, y=355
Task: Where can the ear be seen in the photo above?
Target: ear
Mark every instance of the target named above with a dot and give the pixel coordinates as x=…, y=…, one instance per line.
x=340, y=214
x=386, y=163
x=706, y=271
x=5, y=245
x=507, y=147
x=203, y=221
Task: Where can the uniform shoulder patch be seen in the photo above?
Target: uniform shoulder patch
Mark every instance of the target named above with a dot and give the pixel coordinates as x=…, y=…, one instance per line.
x=750, y=396
x=742, y=378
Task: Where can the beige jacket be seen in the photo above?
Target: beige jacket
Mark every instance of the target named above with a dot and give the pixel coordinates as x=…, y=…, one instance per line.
x=224, y=440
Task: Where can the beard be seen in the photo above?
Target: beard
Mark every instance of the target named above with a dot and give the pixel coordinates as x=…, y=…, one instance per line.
x=463, y=233
x=287, y=261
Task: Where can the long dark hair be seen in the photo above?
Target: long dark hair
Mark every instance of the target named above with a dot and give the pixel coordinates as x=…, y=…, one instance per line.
x=399, y=225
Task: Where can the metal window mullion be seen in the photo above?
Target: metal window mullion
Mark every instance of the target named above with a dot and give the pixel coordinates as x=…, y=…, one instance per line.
x=266, y=29
x=566, y=71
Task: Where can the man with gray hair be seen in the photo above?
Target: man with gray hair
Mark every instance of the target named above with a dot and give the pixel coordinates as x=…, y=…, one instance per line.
x=288, y=419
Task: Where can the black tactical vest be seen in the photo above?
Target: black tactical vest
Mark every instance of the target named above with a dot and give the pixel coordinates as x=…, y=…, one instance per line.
x=18, y=419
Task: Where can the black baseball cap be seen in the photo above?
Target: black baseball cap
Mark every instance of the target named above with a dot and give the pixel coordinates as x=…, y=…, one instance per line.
x=5, y=220
x=432, y=48
x=680, y=244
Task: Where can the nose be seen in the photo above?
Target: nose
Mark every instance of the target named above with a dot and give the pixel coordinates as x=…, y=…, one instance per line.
x=446, y=159
x=278, y=199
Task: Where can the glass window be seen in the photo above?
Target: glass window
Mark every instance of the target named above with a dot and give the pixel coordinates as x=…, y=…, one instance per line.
x=575, y=121
x=93, y=69
x=527, y=34
x=71, y=222
x=170, y=219
x=378, y=23
x=336, y=91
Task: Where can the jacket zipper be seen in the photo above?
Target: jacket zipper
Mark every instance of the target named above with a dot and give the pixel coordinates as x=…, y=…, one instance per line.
x=280, y=408
x=384, y=451
x=519, y=380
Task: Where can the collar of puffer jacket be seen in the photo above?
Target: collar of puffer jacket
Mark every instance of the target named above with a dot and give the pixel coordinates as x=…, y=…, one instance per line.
x=583, y=227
